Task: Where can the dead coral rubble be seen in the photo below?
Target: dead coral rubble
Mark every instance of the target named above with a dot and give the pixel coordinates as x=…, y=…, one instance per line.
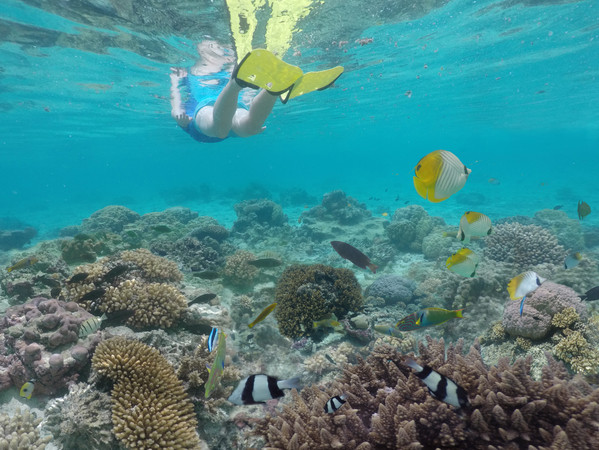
x=389, y=407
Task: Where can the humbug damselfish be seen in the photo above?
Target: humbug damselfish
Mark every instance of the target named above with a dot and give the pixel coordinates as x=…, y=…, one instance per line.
x=440, y=387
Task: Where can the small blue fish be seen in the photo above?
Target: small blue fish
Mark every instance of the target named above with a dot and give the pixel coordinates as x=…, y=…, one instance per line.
x=212, y=339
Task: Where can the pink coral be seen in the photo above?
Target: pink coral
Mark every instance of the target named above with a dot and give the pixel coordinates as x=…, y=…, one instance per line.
x=539, y=308
x=39, y=340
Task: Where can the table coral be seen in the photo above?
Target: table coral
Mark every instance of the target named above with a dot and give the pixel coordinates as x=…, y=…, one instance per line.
x=150, y=409
x=389, y=407
x=20, y=432
x=307, y=293
x=39, y=340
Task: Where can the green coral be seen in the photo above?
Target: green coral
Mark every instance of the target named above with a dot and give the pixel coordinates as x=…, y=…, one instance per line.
x=307, y=293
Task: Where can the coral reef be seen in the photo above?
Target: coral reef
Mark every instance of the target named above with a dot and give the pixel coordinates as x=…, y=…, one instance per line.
x=149, y=406
x=86, y=247
x=258, y=215
x=539, y=309
x=389, y=407
x=111, y=218
x=237, y=271
x=574, y=349
x=193, y=254
x=307, y=293
x=134, y=280
x=392, y=288
x=10, y=239
x=20, y=432
x=524, y=246
x=204, y=227
x=568, y=231
x=39, y=340
x=81, y=416
x=337, y=207
x=410, y=225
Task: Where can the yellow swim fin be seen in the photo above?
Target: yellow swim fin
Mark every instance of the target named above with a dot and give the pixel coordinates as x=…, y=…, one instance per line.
x=312, y=81
x=262, y=69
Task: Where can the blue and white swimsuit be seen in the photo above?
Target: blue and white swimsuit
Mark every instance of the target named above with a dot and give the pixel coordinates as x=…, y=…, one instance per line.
x=202, y=94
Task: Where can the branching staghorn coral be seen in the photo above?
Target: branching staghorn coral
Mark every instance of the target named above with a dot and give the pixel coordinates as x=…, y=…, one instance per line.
x=389, y=407
x=150, y=408
x=134, y=280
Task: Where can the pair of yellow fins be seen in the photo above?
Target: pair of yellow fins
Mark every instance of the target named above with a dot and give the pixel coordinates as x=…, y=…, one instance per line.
x=262, y=69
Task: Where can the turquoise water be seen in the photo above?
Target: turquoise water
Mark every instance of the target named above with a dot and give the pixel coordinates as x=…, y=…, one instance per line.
x=510, y=87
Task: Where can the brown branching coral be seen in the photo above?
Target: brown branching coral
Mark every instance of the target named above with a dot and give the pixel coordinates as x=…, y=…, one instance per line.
x=20, y=432
x=389, y=407
x=150, y=409
x=134, y=280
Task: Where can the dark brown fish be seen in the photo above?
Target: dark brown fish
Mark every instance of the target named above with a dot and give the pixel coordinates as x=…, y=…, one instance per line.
x=114, y=272
x=202, y=298
x=353, y=255
x=592, y=294
x=55, y=292
x=265, y=262
x=78, y=277
x=93, y=295
x=207, y=275
x=583, y=209
x=116, y=318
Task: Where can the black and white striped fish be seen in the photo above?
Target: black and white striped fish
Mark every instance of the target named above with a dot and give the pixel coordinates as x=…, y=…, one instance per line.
x=334, y=403
x=260, y=388
x=212, y=339
x=90, y=325
x=440, y=387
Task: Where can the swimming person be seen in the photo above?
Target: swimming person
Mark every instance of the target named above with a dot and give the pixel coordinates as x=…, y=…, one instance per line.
x=213, y=111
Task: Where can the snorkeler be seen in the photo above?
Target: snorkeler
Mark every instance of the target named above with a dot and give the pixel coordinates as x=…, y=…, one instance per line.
x=213, y=112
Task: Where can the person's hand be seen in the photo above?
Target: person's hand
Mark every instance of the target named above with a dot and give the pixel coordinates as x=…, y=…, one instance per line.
x=178, y=73
x=183, y=120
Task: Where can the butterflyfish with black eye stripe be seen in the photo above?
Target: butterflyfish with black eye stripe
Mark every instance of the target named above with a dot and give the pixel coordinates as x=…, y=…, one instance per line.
x=439, y=175
x=463, y=262
x=524, y=284
x=572, y=260
x=473, y=224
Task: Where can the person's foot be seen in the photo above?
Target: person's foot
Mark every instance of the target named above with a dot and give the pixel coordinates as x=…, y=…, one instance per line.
x=262, y=69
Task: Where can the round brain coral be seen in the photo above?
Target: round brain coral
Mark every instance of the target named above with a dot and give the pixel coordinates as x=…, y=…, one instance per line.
x=307, y=293
x=150, y=409
x=523, y=245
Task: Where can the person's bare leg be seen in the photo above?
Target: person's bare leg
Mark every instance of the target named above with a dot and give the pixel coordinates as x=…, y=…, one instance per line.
x=251, y=122
x=217, y=120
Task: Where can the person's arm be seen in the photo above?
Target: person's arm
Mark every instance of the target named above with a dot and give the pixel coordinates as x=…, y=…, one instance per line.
x=177, y=111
